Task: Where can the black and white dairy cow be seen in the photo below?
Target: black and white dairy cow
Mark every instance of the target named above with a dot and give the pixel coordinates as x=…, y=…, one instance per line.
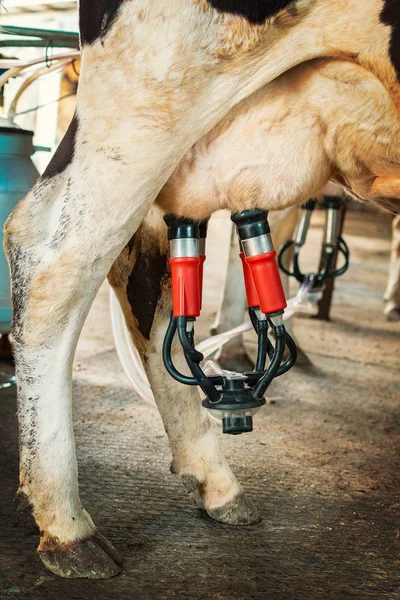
x=157, y=75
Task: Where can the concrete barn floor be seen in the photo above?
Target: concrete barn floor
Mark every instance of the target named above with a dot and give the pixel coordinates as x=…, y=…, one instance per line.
x=323, y=465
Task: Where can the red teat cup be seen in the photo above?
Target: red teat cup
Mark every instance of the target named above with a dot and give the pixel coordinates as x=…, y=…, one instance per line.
x=185, y=274
x=251, y=292
x=201, y=277
x=267, y=282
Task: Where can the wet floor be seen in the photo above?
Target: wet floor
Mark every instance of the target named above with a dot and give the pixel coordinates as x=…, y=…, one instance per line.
x=323, y=467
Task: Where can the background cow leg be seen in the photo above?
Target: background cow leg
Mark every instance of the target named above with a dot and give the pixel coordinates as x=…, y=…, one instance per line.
x=141, y=282
x=392, y=294
x=233, y=355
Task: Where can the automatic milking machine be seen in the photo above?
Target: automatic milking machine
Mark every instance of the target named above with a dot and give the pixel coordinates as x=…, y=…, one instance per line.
x=232, y=398
x=332, y=245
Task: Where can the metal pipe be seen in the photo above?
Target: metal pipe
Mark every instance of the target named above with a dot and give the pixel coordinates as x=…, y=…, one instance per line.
x=303, y=226
x=12, y=43
x=332, y=226
x=13, y=72
x=38, y=73
x=44, y=34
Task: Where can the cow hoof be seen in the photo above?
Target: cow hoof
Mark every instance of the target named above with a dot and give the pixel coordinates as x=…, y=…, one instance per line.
x=238, y=362
x=239, y=511
x=94, y=558
x=393, y=315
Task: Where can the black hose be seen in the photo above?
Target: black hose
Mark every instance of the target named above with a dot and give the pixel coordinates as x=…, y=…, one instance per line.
x=262, y=345
x=167, y=358
x=186, y=340
x=288, y=244
x=296, y=273
x=291, y=361
x=344, y=250
x=193, y=357
x=299, y=276
x=253, y=318
x=267, y=378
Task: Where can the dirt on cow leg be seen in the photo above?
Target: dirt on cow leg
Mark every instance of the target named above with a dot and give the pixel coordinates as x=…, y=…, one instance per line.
x=239, y=511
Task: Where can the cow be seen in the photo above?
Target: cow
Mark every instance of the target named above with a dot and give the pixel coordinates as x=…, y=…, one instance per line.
x=157, y=75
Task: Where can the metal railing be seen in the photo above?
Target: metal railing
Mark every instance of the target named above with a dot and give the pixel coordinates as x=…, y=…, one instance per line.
x=42, y=38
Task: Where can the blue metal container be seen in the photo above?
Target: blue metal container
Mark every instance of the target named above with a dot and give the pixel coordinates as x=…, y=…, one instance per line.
x=17, y=176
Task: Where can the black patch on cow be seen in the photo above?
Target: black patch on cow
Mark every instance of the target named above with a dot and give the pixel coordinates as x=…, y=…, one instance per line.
x=131, y=244
x=255, y=11
x=390, y=15
x=144, y=288
x=64, y=222
x=64, y=153
x=96, y=17
x=22, y=502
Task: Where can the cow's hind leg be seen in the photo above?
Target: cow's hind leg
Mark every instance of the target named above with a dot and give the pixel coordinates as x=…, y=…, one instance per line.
x=142, y=285
x=61, y=241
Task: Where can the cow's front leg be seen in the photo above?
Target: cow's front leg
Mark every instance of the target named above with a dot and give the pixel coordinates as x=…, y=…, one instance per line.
x=52, y=291
x=61, y=241
x=141, y=282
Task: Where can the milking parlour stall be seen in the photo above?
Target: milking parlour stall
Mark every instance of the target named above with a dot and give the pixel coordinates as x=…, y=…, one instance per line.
x=200, y=299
